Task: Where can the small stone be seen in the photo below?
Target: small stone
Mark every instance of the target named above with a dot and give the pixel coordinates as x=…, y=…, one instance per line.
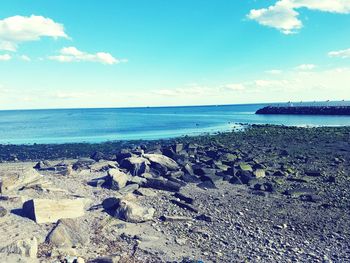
x=3, y=211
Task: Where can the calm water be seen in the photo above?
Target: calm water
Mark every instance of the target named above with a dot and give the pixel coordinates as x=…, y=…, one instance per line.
x=97, y=125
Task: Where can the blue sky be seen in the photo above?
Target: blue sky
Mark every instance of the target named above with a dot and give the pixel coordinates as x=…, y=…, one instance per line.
x=97, y=53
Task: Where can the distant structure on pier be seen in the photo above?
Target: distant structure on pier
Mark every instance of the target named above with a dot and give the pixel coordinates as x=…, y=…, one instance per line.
x=309, y=108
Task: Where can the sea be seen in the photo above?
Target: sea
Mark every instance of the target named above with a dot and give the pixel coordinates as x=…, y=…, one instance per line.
x=148, y=123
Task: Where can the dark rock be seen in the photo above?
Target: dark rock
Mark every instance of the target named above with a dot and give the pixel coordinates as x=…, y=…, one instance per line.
x=207, y=185
x=123, y=155
x=162, y=184
x=279, y=173
x=314, y=173
x=83, y=163
x=190, y=178
x=188, y=169
x=44, y=165
x=204, y=217
x=184, y=198
x=97, y=156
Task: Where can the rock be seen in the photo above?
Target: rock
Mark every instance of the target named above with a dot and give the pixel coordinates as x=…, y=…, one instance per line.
x=137, y=180
x=259, y=173
x=114, y=259
x=44, y=165
x=184, y=198
x=163, y=161
x=279, y=173
x=206, y=185
x=15, y=179
x=97, y=156
x=175, y=218
x=49, y=211
x=245, y=176
x=188, y=169
x=314, y=173
x=135, y=165
x=177, y=147
x=116, y=179
x=103, y=166
x=204, y=217
x=3, y=212
x=83, y=163
x=184, y=205
x=245, y=167
x=162, y=184
x=27, y=248
x=129, y=189
x=132, y=212
x=180, y=241
x=68, y=233
x=145, y=192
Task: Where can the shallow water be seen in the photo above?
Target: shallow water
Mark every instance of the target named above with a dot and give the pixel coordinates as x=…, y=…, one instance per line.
x=98, y=125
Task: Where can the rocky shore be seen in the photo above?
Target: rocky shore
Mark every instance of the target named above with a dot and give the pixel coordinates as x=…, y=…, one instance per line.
x=265, y=194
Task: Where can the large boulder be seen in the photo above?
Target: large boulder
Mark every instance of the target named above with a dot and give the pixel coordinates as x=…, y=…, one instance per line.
x=68, y=233
x=12, y=179
x=116, y=179
x=163, y=161
x=135, y=165
x=49, y=211
x=130, y=211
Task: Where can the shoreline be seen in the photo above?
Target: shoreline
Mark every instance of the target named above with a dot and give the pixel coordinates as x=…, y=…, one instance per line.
x=75, y=150
x=266, y=194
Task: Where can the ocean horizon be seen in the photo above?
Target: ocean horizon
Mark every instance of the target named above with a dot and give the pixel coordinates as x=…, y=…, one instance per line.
x=95, y=125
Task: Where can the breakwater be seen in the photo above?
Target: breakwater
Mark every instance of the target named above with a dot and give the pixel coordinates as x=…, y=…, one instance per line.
x=306, y=110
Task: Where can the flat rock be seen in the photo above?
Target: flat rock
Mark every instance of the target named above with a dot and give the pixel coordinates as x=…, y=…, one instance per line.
x=163, y=160
x=145, y=192
x=17, y=178
x=49, y=211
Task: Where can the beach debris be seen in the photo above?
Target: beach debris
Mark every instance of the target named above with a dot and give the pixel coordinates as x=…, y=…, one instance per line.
x=49, y=211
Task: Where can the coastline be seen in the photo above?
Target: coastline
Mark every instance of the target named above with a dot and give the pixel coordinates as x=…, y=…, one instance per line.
x=75, y=150
x=265, y=194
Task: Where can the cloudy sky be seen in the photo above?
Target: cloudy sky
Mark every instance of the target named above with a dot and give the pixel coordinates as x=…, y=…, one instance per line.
x=116, y=53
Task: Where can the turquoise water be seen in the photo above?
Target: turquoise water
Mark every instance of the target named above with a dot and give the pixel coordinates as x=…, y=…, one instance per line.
x=98, y=125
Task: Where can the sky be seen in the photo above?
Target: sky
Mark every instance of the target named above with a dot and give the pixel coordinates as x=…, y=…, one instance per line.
x=117, y=53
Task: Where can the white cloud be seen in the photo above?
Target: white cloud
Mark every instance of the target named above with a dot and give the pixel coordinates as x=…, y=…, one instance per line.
x=284, y=17
x=234, y=87
x=305, y=67
x=279, y=16
x=72, y=54
x=5, y=57
x=25, y=58
x=340, y=53
x=274, y=71
x=18, y=29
